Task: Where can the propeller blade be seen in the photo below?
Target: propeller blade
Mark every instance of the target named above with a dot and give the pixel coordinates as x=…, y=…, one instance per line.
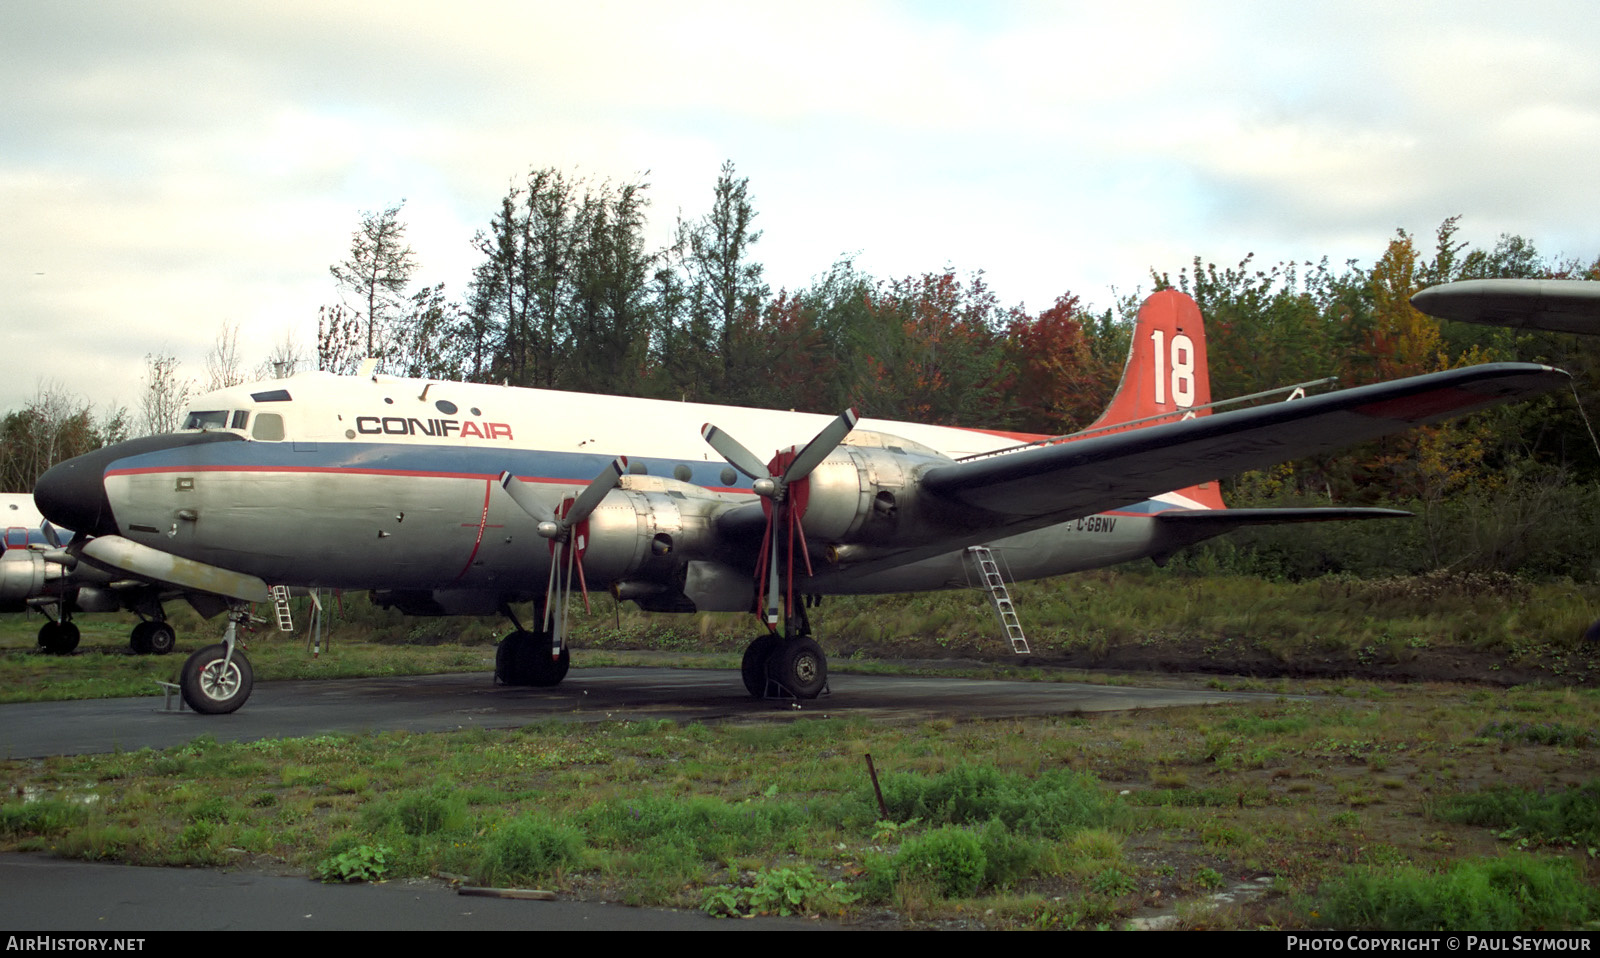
x=589, y=499
x=524, y=497
x=737, y=455
x=820, y=446
x=49, y=532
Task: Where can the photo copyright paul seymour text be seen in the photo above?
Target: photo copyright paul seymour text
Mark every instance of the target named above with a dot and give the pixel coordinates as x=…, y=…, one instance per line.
x=1579, y=943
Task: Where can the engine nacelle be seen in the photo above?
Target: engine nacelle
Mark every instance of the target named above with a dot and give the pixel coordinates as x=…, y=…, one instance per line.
x=649, y=528
x=23, y=574
x=866, y=490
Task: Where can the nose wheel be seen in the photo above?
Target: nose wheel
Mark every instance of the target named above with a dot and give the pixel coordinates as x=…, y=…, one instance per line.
x=218, y=679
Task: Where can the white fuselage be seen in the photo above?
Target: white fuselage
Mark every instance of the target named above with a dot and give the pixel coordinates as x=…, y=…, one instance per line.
x=391, y=484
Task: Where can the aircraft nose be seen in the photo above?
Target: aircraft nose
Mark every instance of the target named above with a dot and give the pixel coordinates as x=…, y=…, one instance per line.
x=72, y=494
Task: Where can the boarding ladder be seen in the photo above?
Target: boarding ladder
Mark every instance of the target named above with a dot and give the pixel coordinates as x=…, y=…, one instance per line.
x=280, y=601
x=999, y=597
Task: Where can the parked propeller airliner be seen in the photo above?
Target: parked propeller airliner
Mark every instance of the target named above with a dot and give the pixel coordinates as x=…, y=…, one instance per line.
x=447, y=497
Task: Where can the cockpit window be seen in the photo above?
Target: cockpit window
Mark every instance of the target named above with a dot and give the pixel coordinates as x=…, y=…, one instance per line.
x=268, y=428
x=271, y=395
x=240, y=418
x=208, y=419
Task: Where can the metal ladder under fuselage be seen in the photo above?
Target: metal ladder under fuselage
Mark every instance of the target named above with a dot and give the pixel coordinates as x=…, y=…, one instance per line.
x=280, y=601
x=999, y=597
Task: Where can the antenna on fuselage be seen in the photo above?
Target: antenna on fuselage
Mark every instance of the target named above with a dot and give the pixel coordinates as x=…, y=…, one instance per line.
x=369, y=368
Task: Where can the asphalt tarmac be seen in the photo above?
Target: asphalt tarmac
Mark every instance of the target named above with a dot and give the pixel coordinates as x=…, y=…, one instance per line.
x=440, y=703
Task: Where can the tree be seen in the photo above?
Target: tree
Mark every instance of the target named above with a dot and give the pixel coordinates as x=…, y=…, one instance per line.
x=164, y=396
x=338, y=340
x=222, y=362
x=722, y=283
x=563, y=295
x=284, y=360
x=54, y=426
x=1053, y=381
x=933, y=352
x=377, y=272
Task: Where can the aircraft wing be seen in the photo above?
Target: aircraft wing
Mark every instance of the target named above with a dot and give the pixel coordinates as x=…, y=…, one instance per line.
x=1082, y=477
x=116, y=554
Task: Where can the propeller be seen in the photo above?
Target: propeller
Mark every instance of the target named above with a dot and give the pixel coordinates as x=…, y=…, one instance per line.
x=567, y=528
x=785, y=492
x=49, y=532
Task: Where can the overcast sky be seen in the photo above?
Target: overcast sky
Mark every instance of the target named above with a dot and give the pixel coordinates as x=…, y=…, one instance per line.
x=168, y=167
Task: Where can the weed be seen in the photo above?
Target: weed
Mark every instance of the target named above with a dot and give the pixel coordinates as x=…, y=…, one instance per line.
x=1114, y=883
x=362, y=863
x=779, y=891
x=1569, y=817
x=48, y=817
x=951, y=860
x=1499, y=894
x=529, y=847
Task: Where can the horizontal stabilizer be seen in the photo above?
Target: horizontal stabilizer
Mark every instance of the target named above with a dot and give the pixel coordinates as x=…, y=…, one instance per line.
x=124, y=555
x=1272, y=517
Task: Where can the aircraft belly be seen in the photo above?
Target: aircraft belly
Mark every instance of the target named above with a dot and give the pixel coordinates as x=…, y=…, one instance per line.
x=1087, y=543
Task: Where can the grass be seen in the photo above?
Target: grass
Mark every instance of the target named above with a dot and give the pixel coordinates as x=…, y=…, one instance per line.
x=1373, y=803
x=1051, y=823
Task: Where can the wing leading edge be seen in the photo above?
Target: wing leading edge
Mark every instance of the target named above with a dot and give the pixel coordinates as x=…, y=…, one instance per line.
x=1082, y=477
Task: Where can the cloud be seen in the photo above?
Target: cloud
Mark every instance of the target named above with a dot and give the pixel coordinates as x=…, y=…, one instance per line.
x=170, y=166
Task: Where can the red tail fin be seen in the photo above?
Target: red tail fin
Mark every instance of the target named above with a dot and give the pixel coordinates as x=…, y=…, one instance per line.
x=1166, y=371
x=1166, y=376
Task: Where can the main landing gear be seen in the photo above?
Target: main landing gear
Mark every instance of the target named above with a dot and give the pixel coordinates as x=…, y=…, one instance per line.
x=152, y=637
x=775, y=666
x=58, y=637
x=778, y=666
x=218, y=679
x=523, y=658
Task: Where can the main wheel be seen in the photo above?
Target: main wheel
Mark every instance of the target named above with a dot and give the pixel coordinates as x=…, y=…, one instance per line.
x=139, y=639
x=800, y=667
x=58, y=638
x=544, y=671
x=163, y=638
x=212, y=688
x=523, y=658
x=753, y=669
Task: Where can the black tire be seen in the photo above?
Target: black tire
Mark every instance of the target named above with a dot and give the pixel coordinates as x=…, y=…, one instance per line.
x=523, y=658
x=753, y=669
x=544, y=671
x=163, y=638
x=58, y=638
x=139, y=639
x=505, y=654
x=210, y=689
x=800, y=667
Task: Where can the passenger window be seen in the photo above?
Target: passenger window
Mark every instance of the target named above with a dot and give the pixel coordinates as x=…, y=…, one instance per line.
x=268, y=428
